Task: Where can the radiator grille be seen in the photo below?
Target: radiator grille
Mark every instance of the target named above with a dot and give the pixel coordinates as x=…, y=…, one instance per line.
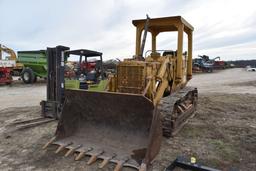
x=131, y=79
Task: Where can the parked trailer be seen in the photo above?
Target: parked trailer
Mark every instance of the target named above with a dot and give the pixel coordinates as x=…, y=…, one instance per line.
x=35, y=65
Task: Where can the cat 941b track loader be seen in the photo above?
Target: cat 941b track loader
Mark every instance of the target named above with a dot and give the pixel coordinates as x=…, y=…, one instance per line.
x=145, y=99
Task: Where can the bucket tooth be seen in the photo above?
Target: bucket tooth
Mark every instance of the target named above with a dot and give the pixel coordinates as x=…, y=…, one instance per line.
x=94, y=157
x=180, y=109
x=143, y=167
x=106, y=161
x=49, y=142
x=183, y=106
x=61, y=147
x=120, y=164
x=189, y=106
x=186, y=107
x=72, y=150
x=82, y=154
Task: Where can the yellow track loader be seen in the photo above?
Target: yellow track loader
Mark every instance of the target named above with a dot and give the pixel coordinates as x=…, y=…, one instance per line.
x=146, y=98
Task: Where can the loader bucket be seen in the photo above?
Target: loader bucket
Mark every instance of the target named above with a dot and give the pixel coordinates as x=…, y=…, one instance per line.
x=121, y=128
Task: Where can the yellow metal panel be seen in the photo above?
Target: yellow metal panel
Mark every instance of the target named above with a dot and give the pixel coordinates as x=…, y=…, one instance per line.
x=190, y=49
x=131, y=77
x=179, y=54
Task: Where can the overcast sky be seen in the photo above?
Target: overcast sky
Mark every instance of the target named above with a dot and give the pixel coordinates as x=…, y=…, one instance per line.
x=225, y=28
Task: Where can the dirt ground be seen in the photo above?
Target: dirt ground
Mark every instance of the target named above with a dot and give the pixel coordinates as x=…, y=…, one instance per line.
x=19, y=94
x=222, y=134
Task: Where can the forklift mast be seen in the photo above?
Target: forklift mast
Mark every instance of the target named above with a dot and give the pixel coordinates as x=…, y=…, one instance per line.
x=55, y=82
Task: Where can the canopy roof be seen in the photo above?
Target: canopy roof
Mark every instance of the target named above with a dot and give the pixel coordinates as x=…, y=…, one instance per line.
x=84, y=52
x=164, y=24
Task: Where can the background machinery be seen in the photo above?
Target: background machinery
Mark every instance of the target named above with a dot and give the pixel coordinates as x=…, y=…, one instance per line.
x=109, y=66
x=7, y=65
x=35, y=65
x=5, y=74
x=218, y=63
x=17, y=68
x=205, y=64
x=146, y=97
x=28, y=64
x=202, y=64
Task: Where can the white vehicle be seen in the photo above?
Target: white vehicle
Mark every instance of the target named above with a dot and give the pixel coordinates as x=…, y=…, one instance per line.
x=7, y=63
x=251, y=69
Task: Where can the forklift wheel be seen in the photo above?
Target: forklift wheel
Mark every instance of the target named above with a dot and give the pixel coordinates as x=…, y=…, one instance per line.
x=28, y=76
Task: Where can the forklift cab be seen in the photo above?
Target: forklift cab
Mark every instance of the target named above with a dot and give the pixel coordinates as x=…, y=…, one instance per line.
x=88, y=70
